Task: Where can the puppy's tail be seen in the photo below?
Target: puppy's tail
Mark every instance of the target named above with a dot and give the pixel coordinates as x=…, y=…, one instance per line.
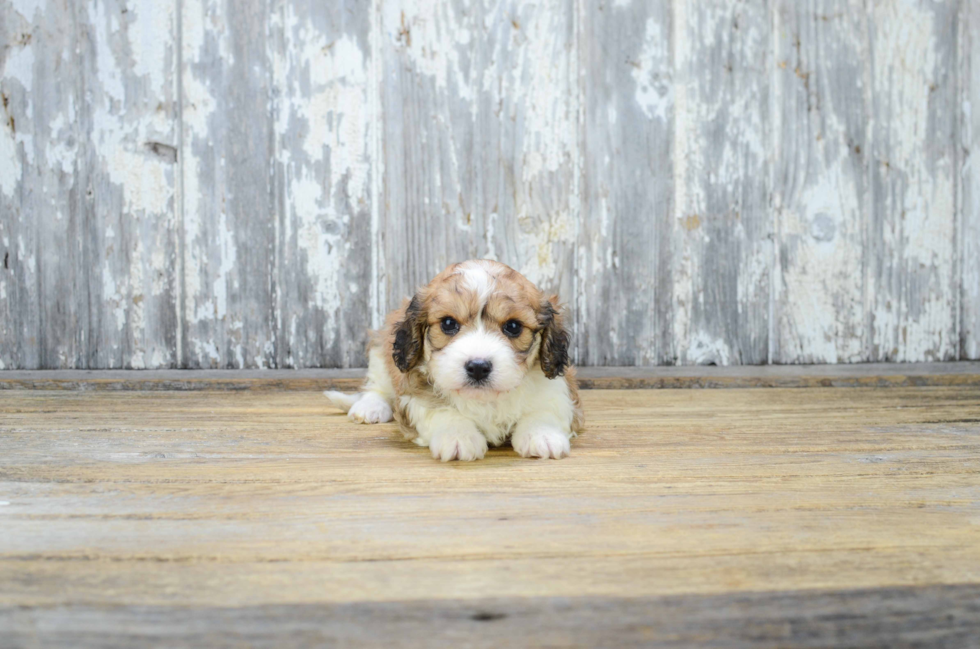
x=342, y=400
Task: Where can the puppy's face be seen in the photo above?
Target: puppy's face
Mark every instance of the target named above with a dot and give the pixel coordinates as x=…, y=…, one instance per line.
x=478, y=328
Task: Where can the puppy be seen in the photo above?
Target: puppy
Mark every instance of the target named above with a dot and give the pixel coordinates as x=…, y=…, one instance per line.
x=476, y=357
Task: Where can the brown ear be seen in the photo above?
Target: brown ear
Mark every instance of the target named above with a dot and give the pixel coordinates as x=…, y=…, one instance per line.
x=554, y=338
x=409, y=333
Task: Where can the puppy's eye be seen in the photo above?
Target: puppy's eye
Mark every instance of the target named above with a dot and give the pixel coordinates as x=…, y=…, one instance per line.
x=513, y=328
x=449, y=326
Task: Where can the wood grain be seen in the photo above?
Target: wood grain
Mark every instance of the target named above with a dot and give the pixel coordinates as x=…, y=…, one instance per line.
x=625, y=293
x=322, y=63
x=821, y=189
x=968, y=233
x=940, y=616
x=911, y=244
x=480, y=140
x=721, y=229
x=87, y=157
x=204, y=507
x=228, y=204
x=216, y=184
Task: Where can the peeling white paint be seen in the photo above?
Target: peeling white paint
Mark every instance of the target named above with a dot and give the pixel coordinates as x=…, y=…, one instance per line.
x=706, y=350
x=19, y=65
x=207, y=350
x=27, y=8
x=151, y=26
x=227, y=254
x=916, y=323
x=325, y=111
x=687, y=198
x=322, y=268
x=10, y=167
x=18, y=70
x=421, y=30
x=109, y=73
x=508, y=70
x=651, y=72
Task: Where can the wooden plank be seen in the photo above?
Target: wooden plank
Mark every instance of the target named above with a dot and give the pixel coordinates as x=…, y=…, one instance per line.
x=348, y=380
x=913, y=289
x=30, y=197
x=624, y=258
x=129, y=96
x=821, y=190
x=879, y=375
x=721, y=230
x=88, y=154
x=969, y=180
x=480, y=140
x=937, y=616
x=229, y=215
x=712, y=505
x=322, y=65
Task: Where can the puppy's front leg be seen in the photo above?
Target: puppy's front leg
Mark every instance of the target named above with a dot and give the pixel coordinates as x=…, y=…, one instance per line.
x=450, y=436
x=541, y=436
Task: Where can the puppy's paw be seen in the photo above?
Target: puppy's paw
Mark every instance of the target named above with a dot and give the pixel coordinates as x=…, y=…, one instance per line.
x=458, y=444
x=541, y=441
x=371, y=408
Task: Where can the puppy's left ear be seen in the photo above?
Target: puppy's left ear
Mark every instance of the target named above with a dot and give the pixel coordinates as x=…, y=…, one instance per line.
x=554, y=338
x=409, y=336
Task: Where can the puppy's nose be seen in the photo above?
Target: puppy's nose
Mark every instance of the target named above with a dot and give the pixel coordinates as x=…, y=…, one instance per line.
x=478, y=369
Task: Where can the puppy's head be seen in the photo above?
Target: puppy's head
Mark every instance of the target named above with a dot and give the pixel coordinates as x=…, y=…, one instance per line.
x=477, y=330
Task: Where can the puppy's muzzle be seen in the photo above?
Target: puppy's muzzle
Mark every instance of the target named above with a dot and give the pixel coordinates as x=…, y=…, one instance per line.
x=478, y=370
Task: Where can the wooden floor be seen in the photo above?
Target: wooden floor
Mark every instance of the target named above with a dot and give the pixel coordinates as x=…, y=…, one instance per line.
x=730, y=518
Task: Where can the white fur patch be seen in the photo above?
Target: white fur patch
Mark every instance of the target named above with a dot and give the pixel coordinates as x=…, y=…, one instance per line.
x=537, y=400
x=477, y=278
x=371, y=408
x=341, y=400
x=465, y=444
x=448, y=367
x=541, y=440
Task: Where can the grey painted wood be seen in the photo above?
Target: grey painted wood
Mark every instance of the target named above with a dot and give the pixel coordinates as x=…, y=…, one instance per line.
x=821, y=184
x=721, y=231
x=228, y=207
x=87, y=156
x=202, y=183
x=324, y=121
x=26, y=197
x=912, y=288
x=625, y=314
x=480, y=104
x=968, y=233
x=925, y=616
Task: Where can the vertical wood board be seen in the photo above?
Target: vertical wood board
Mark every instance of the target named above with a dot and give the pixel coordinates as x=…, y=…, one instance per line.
x=721, y=229
x=87, y=157
x=911, y=252
x=480, y=104
x=821, y=186
x=624, y=314
x=324, y=125
x=969, y=180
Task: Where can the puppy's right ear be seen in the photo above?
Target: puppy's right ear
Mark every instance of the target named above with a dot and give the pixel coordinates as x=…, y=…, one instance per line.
x=409, y=335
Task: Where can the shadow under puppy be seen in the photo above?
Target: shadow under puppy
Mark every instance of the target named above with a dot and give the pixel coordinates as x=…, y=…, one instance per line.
x=478, y=356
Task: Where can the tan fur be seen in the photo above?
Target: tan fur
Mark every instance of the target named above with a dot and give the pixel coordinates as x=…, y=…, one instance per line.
x=417, y=372
x=514, y=296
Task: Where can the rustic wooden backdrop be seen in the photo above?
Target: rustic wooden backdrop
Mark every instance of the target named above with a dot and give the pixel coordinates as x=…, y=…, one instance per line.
x=252, y=183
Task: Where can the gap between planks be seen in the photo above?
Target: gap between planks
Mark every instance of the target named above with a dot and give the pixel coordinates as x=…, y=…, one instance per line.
x=964, y=373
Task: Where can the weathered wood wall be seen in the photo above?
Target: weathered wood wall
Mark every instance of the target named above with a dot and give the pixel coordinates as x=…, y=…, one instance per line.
x=252, y=183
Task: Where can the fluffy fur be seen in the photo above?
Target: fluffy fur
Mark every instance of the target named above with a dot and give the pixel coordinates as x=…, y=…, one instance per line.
x=417, y=368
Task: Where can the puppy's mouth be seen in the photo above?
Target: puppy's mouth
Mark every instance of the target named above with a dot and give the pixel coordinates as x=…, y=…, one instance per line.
x=481, y=391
